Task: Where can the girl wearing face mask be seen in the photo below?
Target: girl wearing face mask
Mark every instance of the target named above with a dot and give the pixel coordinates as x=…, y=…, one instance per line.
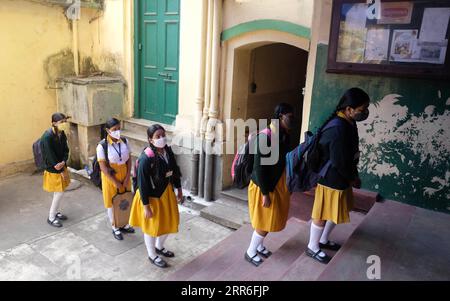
x=115, y=171
x=55, y=152
x=334, y=195
x=155, y=208
x=268, y=196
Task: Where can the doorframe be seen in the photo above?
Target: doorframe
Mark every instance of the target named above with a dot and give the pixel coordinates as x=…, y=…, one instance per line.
x=136, y=65
x=137, y=71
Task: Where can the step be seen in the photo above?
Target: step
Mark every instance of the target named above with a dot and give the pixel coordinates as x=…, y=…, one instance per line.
x=235, y=194
x=204, y=260
x=363, y=199
x=305, y=268
x=141, y=125
x=301, y=206
x=408, y=246
x=226, y=259
x=229, y=215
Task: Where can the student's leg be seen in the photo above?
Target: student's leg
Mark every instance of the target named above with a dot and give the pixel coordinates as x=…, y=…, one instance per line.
x=314, y=250
x=160, y=240
x=115, y=231
x=150, y=242
x=57, y=196
x=329, y=226
x=257, y=239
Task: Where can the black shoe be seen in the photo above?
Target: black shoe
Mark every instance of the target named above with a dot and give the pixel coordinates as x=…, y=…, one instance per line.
x=61, y=216
x=128, y=230
x=330, y=245
x=159, y=263
x=117, y=234
x=164, y=252
x=252, y=260
x=315, y=255
x=55, y=223
x=264, y=253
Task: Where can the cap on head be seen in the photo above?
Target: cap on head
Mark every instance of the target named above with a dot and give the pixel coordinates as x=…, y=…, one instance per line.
x=59, y=116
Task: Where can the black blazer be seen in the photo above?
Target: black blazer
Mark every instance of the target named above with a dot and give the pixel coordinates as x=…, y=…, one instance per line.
x=151, y=175
x=341, y=146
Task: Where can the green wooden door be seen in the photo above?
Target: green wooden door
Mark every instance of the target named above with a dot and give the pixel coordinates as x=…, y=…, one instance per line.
x=157, y=59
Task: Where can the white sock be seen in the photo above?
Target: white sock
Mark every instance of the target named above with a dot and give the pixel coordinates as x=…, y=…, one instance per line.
x=110, y=213
x=254, y=243
x=150, y=244
x=314, y=238
x=160, y=240
x=329, y=226
x=55, y=205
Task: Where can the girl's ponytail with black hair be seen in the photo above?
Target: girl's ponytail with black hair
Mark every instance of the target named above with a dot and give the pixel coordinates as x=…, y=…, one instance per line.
x=353, y=98
x=150, y=132
x=314, y=156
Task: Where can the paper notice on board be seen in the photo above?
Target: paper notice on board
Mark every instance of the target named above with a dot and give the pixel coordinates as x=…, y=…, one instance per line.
x=404, y=45
x=377, y=44
x=434, y=24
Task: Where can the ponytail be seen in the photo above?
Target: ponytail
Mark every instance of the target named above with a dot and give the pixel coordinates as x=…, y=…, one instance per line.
x=314, y=156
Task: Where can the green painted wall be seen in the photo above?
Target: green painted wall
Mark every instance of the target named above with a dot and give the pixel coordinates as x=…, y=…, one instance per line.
x=405, y=142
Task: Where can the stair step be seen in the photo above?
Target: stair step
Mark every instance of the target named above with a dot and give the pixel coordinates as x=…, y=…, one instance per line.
x=235, y=194
x=141, y=125
x=363, y=199
x=305, y=268
x=228, y=259
x=276, y=266
x=384, y=232
x=230, y=216
x=203, y=261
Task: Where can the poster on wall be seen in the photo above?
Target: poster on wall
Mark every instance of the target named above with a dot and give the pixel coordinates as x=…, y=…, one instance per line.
x=377, y=45
x=396, y=13
x=434, y=24
x=404, y=46
x=431, y=52
x=352, y=33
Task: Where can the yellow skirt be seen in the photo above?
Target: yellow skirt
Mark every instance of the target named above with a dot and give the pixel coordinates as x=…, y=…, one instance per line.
x=109, y=190
x=54, y=182
x=166, y=217
x=332, y=204
x=274, y=218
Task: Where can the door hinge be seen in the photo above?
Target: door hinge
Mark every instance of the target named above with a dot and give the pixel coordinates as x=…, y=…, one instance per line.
x=140, y=46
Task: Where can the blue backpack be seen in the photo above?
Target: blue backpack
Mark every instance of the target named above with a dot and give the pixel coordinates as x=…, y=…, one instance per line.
x=299, y=177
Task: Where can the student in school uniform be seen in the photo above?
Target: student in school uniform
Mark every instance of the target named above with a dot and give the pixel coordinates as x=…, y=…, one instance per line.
x=155, y=206
x=268, y=195
x=334, y=196
x=115, y=172
x=55, y=153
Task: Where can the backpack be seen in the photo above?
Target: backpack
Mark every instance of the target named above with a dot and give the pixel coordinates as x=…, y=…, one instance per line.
x=95, y=174
x=39, y=160
x=299, y=176
x=242, y=167
x=150, y=154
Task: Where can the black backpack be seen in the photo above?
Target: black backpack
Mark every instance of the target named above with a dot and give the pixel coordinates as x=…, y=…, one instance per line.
x=39, y=160
x=95, y=175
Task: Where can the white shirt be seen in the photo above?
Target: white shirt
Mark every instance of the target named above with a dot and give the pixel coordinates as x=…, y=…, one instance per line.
x=113, y=152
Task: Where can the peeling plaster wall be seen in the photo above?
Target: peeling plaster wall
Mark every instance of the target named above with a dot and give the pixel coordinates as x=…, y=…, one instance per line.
x=405, y=142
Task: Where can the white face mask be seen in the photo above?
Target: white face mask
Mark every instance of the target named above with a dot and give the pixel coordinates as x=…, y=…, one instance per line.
x=115, y=134
x=160, y=143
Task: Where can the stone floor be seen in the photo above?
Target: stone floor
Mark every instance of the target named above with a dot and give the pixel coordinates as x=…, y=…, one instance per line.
x=84, y=249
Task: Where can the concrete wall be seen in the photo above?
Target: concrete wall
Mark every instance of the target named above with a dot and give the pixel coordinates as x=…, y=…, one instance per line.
x=405, y=143
x=36, y=44
x=241, y=11
x=37, y=48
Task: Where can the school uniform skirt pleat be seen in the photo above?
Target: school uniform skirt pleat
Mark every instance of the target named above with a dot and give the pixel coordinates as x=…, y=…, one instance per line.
x=332, y=204
x=109, y=190
x=54, y=182
x=166, y=217
x=273, y=218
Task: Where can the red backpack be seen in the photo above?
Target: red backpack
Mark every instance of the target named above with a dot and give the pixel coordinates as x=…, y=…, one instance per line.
x=242, y=167
x=150, y=154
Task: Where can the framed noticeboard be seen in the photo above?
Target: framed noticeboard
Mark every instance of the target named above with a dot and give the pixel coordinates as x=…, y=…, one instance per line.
x=390, y=37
